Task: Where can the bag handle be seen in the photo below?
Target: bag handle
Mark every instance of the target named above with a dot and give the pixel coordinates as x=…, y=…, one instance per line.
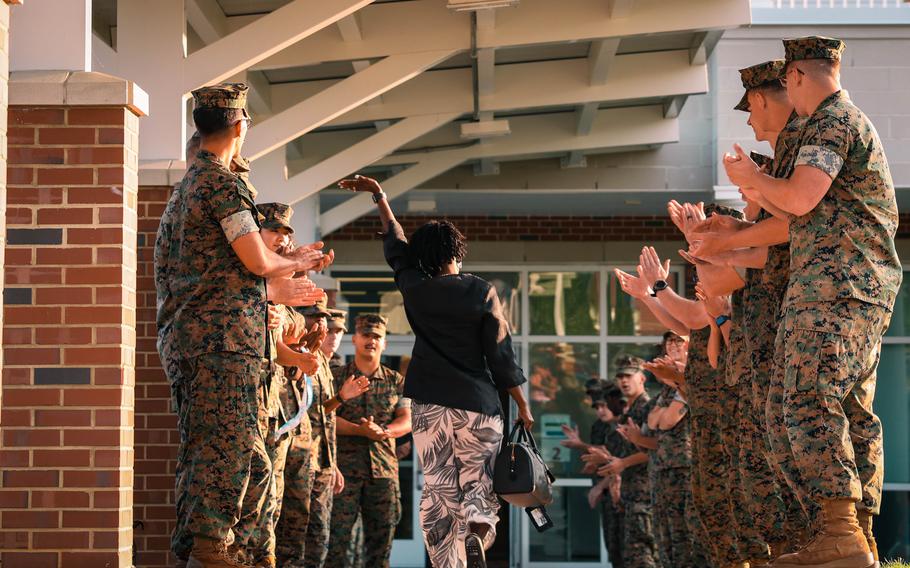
x=521, y=434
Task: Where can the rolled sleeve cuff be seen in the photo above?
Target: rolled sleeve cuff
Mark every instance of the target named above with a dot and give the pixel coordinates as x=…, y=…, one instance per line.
x=403, y=402
x=238, y=224
x=820, y=158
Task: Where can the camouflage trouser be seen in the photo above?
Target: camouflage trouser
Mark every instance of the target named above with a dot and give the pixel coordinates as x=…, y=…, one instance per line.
x=750, y=540
x=294, y=518
x=262, y=542
x=675, y=541
x=378, y=503
x=767, y=500
x=224, y=448
x=827, y=356
x=612, y=517
x=639, y=549
x=710, y=491
x=357, y=544
x=697, y=533
x=181, y=541
x=319, y=529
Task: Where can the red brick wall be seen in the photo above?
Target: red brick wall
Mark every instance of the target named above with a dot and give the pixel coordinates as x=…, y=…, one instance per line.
x=66, y=450
x=526, y=228
x=156, y=425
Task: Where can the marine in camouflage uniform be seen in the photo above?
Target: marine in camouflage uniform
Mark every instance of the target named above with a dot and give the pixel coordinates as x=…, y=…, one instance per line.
x=282, y=398
x=639, y=545
x=844, y=278
x=710, y=492
x=605, y=434
x=211, y=329
x=302, y=528
x=676, y=524
x=775, y=509
x=371, y=491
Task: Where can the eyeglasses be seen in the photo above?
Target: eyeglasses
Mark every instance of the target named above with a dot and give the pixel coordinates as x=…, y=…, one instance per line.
x=783, y=80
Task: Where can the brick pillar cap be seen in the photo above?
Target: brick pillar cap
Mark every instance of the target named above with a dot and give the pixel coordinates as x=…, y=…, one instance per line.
x=75, y=88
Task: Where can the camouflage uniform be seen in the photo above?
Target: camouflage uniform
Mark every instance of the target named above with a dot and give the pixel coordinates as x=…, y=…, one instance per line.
x=750, y=534
x=211, y=328
x=776, y=510
x=605, y=434
x=322, y=458
x=844, y=279
x=710, y=490
x=671, y=463
x=370, y=469
x=639, y=546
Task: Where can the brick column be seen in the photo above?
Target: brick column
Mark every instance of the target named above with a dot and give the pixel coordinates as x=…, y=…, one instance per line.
x=66, y=452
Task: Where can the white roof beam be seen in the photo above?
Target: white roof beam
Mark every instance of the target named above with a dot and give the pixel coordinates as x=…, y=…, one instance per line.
x=635, y=76
x=397, y=27
x=600, y=57
x=574, y=159
x=262, y=38
x=354, y=158
x=349, y=27
x=614, y=130
x=259, y=97
x=338, y=99
x=703, y=46
x=207, y=18
x=585, y=118
x=674, y=106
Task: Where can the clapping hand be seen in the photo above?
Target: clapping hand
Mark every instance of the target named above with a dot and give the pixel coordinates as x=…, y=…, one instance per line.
x=634, y=286
x=596, y=455
x=630, y=431
x=715, y=305
x=313, y=338
x=311, y=257
x=573, y=439
x=276, y=317
x=613, y=467
x=650, y=268
x=373, y=431
x=293, y=291
x=740, y=167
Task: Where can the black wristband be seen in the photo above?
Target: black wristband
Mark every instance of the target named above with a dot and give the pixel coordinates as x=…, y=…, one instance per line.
x=378, y=196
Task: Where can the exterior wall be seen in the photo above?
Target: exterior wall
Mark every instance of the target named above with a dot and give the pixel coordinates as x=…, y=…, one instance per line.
x=156, y=424
x=66, y=453
x=875, y=70
x=4, y=99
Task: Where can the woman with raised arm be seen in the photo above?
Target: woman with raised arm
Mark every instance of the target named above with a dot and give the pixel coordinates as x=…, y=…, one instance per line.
x=462, y=358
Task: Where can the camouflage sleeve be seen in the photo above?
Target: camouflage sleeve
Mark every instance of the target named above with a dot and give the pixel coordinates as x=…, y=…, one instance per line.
x=825, y=145
x=294, y=323
x=232, y=206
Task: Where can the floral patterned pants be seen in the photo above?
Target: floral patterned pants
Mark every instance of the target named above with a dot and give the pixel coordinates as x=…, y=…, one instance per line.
x=457, y=449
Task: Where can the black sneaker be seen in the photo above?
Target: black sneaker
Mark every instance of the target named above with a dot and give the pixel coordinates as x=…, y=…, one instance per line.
x=473, y=547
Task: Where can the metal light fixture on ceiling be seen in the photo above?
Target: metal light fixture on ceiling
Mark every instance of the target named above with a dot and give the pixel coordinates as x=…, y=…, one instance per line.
x=470, y=5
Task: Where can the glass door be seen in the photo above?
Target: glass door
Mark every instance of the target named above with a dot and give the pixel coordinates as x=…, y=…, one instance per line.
x=408, y=549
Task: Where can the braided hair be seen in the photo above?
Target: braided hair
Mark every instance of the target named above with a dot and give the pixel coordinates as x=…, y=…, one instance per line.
x=436, y=244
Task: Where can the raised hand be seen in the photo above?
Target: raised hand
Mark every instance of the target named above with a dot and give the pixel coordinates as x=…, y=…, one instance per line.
x=293, y=291
x=311, y=257
x=613, y=467
x=573, y=440
x=650, y=268
x=276, y=317
x=597, y=455
x=313, y=338
x=354, y=387
x=306, y=362
x=360, y=183
x=740, y=167
x=632, y=285
x=715, y=305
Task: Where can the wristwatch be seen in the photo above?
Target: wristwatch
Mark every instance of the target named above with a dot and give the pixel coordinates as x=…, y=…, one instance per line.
x=659, y=286
x=721, y=320
x=378, y=195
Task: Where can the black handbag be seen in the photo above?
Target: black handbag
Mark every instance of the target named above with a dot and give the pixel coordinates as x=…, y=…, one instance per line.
x=520, y=474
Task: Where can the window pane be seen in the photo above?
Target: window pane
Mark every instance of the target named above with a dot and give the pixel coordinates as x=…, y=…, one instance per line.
x=892, y=527
x=575, y=536
x=626, y=315
x=892, y=404
x=365, y=292
x=900, y=319
x=557, y=376
x=508, y=286
x=565, y=303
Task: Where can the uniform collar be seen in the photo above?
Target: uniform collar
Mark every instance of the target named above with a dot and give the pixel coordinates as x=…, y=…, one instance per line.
x=833, y=98
x=210, y=157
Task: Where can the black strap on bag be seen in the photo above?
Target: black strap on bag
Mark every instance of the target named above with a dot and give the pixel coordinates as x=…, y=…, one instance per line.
x=521, y=476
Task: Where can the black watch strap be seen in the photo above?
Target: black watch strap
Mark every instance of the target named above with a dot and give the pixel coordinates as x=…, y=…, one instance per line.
x=378, y=196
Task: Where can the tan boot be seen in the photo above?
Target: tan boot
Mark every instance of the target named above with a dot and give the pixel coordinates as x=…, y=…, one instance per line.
x=865, y=522
x=208, y=553
x=840, y=544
